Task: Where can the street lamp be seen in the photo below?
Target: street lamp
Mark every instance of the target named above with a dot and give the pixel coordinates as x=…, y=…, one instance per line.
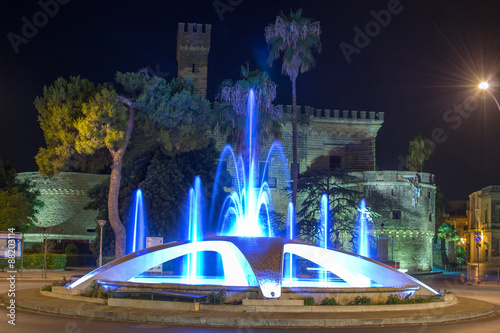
x=101, y=224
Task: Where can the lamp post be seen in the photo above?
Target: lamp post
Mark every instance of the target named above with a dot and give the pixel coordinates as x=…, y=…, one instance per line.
x=101, y=224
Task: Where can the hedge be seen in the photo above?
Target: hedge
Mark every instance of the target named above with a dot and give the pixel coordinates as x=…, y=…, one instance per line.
x=35, y=261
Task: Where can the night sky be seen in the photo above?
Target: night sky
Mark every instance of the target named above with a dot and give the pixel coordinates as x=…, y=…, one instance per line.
x=418, y=69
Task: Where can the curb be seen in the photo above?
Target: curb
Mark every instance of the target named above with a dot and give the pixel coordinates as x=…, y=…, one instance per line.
x=34, y=300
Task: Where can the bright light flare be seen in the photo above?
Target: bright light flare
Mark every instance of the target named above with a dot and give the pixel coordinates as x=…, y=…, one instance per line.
x=484, y=85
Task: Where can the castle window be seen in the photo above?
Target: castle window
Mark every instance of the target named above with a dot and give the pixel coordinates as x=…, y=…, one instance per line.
x=394, y=192
x=396, y=215
x=335, y=162
x=193, y=68
x=429, y=194
x=430, y=217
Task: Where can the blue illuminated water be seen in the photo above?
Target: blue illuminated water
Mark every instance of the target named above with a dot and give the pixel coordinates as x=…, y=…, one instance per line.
x=246, y=210
x=363, y=236
x=195, y=262
x=137, y=225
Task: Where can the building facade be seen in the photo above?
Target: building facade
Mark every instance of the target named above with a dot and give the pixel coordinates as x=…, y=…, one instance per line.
x=63, y=218
x=482, y=233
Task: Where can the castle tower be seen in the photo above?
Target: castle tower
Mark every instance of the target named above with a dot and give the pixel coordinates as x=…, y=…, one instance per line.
x=193, y=45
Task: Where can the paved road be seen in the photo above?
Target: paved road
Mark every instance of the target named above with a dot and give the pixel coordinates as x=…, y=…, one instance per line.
x=27, y=321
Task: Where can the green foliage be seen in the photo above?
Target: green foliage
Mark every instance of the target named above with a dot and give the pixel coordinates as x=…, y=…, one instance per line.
x=35, y=261
x=71, y=249
x=20, y=200
x=47, y=288
x=217, y=298
x=96, y=290
x=342, y=204
x=447, y=232
x=461, y=254
x=309, y=300
x=419, y=151
x=362, y=300
x=60, y=108
x=233, y=105
x=393, y=299
x=173, y=114
x=329, y=301
x=294, y=38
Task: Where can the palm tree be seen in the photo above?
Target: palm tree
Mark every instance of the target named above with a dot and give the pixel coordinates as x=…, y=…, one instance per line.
x=419, y=151
x=233, y=105
x=294, y=37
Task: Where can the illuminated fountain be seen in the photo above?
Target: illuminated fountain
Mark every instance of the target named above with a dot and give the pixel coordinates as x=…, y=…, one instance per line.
x=363, y=237
x=136, y=232
x=253, y=262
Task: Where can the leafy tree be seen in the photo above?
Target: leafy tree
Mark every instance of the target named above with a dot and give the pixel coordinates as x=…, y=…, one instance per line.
x=165, y=181
x=20, y=200
x=232, y=108
x=294, y=37
x=447, y=232
x=419, y=151
x=80, y=119
x=342, y=201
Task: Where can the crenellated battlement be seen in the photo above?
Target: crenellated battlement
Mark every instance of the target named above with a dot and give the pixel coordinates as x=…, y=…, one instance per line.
x=335, y=113
x=197, y=28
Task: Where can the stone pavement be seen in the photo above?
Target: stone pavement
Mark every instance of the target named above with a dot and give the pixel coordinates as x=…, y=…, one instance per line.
x=32, y=299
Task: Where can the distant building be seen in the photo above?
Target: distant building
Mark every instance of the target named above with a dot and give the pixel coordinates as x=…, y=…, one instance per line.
x=484, y=225
x=340, y=139
x=193, y=46
x=64, y=218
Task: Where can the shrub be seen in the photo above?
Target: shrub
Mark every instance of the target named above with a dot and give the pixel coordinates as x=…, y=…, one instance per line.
x=35, y=261
x=329, y=301
x=71, y=249
x=365, y=300
x=47, y=288
x=393, y=299
x=217, y=298
x=96, y=290
x=309, y=300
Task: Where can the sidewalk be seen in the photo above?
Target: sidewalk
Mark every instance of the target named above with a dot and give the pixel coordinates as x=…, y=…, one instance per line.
x=52, y=275
x=464, y=309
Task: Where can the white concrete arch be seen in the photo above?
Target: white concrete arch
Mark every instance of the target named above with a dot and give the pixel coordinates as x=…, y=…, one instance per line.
x=355, y=270
x=237, y=270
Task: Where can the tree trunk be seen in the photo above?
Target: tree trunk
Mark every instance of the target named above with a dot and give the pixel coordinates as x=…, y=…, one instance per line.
x=113, y=210
x=114, y=186
x=295, y=173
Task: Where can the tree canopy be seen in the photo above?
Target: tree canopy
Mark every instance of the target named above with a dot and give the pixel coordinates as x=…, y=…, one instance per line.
x=419, y=151
x=232, y=108
x=80, y=119
x=20, y=200
x=294, y=38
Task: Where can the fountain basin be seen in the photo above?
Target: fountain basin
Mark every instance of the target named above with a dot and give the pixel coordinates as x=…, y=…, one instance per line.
x=253, y=268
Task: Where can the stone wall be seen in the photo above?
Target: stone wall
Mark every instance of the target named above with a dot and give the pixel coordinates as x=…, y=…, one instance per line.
x=193, y=46
x=64, y=195
x=406, y=224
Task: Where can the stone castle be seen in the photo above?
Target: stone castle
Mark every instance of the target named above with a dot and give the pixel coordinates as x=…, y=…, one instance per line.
x=329, y=139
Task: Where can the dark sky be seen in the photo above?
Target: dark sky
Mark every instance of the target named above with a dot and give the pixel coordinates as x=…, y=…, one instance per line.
x=418, y=69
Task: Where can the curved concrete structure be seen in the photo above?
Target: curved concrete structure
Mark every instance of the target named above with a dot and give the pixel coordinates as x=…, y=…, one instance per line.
x=257, y=261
